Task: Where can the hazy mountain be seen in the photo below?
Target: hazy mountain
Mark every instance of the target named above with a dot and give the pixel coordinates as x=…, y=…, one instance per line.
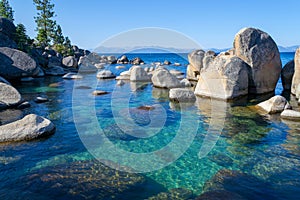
x=158, y=49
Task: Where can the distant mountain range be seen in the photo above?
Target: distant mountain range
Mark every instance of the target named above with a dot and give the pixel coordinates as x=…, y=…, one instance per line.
x=158, y=49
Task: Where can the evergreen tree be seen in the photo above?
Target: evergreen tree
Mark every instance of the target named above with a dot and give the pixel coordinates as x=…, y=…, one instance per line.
x=44, y=21
x=58, y=37
x=22, y=39
x=6, y=10
x=68, y=47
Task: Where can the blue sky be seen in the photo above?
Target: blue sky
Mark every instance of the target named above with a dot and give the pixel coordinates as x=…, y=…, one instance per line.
x=209, y=23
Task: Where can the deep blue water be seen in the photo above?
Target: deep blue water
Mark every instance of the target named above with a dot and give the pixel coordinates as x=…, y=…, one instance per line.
x=264, y=147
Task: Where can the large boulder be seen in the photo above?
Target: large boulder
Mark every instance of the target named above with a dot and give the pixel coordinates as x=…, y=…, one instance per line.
x=296, y=77
x=9, y=96
x=290, y=115
x=7, y=33
x=136, y=61
x=287, y=74
x=260, y=52
x=29, y=128
x=137, y=74
x=223, y=77
x=182, y=95
x=274, y=105
x=15, y=64
x=196, y=63
x=70, y=61
x=162, y=78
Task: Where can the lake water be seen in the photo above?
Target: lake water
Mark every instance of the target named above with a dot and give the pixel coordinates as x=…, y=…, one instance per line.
x=265, y=148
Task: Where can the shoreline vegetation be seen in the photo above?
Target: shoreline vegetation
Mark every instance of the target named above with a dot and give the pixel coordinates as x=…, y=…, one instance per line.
x=252, y=67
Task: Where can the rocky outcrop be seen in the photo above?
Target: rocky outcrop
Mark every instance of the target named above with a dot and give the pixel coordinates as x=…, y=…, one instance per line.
x=7, y=33
x=137, y=74
x=16, y=64
x=70, y=61
x=296, y=77
x=9, y=96
x=223, y=77
x=260, y=52
x=287, y=74
x=55, y=71
x=274, y=105
x=182, y=95
x=162, y=78
x=29, y=128
x=196, y=63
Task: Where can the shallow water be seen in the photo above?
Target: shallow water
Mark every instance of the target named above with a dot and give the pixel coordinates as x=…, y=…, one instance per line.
x=262, y=146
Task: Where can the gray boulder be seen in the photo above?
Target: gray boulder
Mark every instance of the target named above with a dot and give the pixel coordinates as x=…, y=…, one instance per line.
x=16, y=64
x=274, y=105
x=136, y=61
x=7, y=33
x=196, y=63
x=70, y=61
x=137, y=74
x=9, y=96
x=182, y=95
x=287, y=74
x=54, y=61
x=162, y=78
x=260, y=52
x=105, y=74
x=223, y=77
x=123, y=60
x=296, y=77
x=29, y=128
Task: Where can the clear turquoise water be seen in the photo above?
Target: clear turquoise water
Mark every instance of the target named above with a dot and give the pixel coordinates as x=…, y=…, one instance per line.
x=263, y=146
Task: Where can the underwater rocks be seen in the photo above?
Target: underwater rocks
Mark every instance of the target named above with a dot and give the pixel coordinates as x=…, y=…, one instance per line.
x=82, y=180
x=182, y=95
x=176, y=194
x=220, y=195
x=239, y=184
x=29, y=128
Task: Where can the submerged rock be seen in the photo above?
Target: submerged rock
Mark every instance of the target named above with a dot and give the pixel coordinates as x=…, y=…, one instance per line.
x=9, y=96
x=274, y=105
x=82, y=180
x=174, y=194
x=29, y=128
x=287, y=74
x=182, y=95
x=41, y=99
x=220, y=195
x=260, y=52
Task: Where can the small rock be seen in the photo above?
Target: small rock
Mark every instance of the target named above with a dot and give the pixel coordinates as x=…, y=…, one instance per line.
x=100, y=65
x=27, y=79
x=274, y=105
x=120, y=83
x=136, y=61
x=186, y=83
x=99, y=92
x=146, y=107
x=123, y=60
x=166, y=62
x=72, y=75
x=24, y=105
x=177, y=64
x=290, y=115
x=120, y=67
x=41, y=100
x=105, y=74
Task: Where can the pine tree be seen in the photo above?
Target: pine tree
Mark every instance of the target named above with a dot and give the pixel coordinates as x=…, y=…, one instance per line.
x=22, y=39
x=44, y=21
x=58, y=37
x=6, y=10
x=68, y=47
